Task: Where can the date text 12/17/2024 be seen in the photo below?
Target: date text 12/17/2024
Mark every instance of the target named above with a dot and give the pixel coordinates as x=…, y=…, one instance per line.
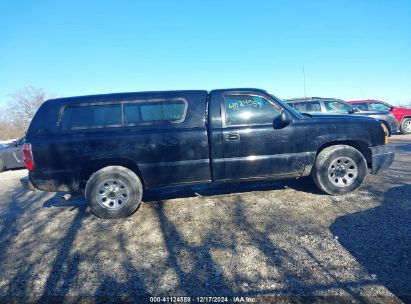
x=203, y=299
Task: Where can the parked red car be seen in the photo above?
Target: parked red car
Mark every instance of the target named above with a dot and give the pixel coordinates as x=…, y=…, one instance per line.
x=402, y=115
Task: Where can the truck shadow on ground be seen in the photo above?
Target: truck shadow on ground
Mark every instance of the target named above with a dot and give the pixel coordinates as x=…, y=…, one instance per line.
x=204, y=275
x=208, y=277
x=380, y=246
x=19, y=286
x=76, y=201
x=304, y=184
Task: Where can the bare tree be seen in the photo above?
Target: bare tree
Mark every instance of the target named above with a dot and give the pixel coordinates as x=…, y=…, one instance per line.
x=406, y=104
x=6, y=127
x=25, y=102
x=21, y=108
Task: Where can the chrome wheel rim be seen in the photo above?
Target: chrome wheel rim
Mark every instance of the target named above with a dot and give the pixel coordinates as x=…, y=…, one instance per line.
x=407, y=126
x=112, y=194
x=342, y=171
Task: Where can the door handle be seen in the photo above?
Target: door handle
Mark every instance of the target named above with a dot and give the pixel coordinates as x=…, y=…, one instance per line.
x=232, y=136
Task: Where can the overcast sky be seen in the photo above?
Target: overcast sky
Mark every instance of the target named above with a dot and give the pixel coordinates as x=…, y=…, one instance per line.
x=349, y=49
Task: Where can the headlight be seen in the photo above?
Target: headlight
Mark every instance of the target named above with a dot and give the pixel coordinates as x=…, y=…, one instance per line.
x=386, y=133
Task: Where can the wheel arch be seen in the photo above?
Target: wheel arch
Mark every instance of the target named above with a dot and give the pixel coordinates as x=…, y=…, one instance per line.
x=360, y=145
x=97, y=164
x=405, y=117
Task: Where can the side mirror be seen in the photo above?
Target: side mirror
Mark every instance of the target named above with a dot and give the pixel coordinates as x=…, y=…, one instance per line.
x=286, y=117
x=15, y=143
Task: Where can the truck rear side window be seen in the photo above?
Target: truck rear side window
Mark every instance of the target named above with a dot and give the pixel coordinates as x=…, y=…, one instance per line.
x=155, y=111
x=91, y=116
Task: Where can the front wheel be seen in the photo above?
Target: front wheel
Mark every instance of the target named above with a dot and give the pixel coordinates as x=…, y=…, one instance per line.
x=339, y=169
x=406, y=126
x=114, y=192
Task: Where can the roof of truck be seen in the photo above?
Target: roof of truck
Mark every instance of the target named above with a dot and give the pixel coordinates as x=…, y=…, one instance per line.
x=144, y=94
x=126, y=95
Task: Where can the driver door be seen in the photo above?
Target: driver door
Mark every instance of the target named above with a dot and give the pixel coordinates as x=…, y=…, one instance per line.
x=255, y=143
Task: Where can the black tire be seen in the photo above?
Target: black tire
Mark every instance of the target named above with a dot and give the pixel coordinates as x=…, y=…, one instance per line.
x=2, y=165
x=114, y=176
x=405, y=126
x=337, y=180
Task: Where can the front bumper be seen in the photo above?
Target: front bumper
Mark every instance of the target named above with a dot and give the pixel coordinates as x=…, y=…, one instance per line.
x=27, y=184
x=382, y=157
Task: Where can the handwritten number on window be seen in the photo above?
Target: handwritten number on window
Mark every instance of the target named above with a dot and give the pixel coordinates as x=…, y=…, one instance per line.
x=236, y=105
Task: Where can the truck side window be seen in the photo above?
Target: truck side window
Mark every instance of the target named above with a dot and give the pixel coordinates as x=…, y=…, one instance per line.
x=155, y=111
x=249, y=110
x=91, y=116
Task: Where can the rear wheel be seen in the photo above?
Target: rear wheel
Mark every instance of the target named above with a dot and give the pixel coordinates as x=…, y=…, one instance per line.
x=339, y=169
x=406, y=126
x=114, y=192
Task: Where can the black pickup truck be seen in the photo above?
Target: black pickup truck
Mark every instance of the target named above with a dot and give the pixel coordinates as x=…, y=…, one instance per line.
x=115, y=146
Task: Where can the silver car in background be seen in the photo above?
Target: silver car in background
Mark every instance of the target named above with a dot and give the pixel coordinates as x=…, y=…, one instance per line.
x=338, y=106
x=11, y=155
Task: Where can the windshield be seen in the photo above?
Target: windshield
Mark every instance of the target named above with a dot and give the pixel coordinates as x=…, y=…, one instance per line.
x=285, y=105
x=379, y=106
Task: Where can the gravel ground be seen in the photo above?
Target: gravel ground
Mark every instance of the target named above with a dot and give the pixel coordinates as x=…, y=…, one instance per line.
x=277, y=241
